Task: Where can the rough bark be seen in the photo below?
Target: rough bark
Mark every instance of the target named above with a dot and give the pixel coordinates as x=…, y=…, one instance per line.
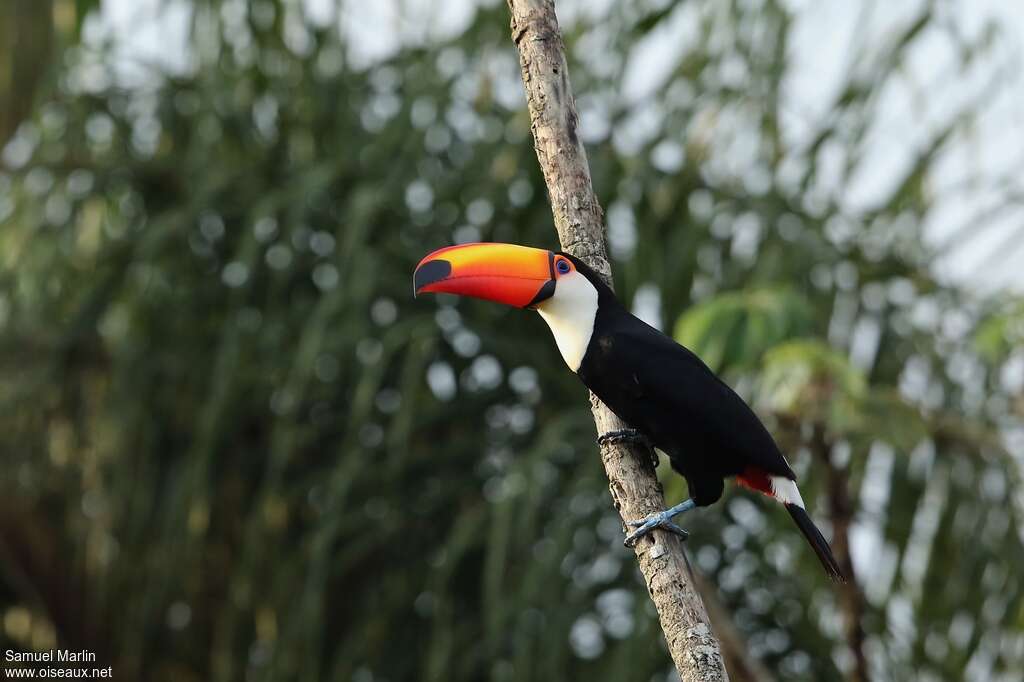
x=579, y=221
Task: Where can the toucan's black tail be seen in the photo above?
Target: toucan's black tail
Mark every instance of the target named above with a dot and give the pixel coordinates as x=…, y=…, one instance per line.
x=817, y=542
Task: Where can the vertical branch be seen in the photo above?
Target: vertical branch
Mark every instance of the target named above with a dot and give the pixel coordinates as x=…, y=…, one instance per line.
x=851, y=599
x=579, y=221
x=26, y=37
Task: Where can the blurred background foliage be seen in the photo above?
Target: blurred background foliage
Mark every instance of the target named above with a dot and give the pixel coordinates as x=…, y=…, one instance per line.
x=236, y=447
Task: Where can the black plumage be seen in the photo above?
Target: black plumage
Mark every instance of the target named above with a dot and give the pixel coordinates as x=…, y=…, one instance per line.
x=665, y=391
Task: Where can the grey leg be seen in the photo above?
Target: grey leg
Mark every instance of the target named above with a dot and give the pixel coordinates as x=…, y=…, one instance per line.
x=659, y=520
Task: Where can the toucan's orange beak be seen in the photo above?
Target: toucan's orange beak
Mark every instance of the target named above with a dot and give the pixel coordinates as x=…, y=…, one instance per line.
x=514, y=275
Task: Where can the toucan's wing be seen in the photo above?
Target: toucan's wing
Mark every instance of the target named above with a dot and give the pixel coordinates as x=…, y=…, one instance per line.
x=684, y=407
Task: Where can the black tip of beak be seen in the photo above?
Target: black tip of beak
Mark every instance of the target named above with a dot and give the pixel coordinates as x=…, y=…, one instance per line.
x=430, y=272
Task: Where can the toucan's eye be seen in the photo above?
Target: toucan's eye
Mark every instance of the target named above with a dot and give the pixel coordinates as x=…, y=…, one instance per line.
x=563, y=266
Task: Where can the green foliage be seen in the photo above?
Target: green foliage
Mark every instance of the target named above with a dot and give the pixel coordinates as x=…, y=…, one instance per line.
x=1001, y=333
x=29, y=30
x=886, y=416
x=750, y=323
x=810, y=380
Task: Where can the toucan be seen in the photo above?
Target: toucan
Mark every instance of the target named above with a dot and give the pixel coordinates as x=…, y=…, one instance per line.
x=662, y=389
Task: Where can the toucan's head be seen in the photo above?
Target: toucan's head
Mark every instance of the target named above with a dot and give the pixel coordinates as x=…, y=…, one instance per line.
x=561, y=288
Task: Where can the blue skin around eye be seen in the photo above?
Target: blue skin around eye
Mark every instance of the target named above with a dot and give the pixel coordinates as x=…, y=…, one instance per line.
x=563, y=267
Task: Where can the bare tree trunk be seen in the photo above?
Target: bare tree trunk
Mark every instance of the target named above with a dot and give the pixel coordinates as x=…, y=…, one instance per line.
x=26, y=41
x=851, y=599
x=579, y=221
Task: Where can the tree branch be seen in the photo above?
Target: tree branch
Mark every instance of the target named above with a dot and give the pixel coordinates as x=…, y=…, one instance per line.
x=841, y=510
x=579, y=221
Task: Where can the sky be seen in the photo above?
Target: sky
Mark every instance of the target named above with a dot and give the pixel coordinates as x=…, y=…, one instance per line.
x=824, y=44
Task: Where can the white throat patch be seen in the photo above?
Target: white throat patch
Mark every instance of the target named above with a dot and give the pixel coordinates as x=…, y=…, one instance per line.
x=570, y=313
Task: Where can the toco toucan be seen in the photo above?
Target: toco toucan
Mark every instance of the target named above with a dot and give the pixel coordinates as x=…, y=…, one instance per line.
x=656, y=385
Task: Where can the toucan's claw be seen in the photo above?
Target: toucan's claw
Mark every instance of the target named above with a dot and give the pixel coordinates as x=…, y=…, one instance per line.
x=644, y=526
x=623, y=436
x=629, y=436
x=661, y=519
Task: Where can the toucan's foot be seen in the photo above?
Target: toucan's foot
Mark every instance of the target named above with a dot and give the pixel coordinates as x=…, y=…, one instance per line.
x=629, y=436
x=645, y=526
x=622, y=436
x=659, y=520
